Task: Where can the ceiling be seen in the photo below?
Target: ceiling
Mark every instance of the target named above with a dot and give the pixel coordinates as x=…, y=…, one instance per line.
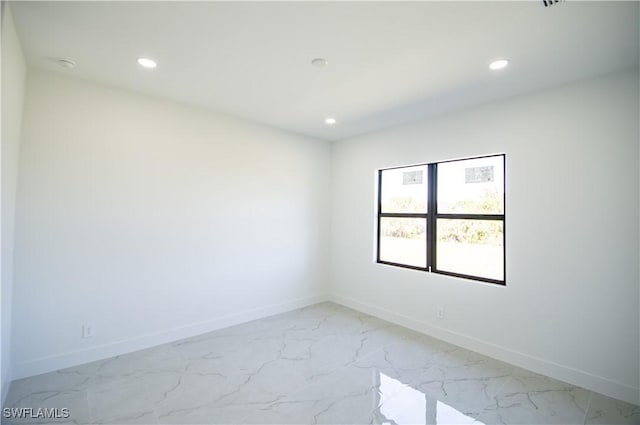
x=389, y=62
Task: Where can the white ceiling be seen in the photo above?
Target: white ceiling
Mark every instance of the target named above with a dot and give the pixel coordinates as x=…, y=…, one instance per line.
x=389, y=62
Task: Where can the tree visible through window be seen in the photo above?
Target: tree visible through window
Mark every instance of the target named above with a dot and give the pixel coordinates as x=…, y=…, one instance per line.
x=445, y=217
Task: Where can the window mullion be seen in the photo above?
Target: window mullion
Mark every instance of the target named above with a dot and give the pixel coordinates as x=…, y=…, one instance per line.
x=431, y=217
x=379, y=213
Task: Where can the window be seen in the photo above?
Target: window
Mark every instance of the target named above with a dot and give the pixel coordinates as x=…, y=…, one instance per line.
x=446, y=217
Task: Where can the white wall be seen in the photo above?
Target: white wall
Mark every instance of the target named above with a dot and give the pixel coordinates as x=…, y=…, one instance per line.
x=571, y=306
x=13, y=83
x=155, y=221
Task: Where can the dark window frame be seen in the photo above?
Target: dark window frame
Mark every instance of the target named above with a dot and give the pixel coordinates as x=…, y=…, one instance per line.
x=431, y=217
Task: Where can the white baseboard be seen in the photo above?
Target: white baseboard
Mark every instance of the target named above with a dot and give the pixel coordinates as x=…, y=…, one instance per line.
x=573, y=376
x=75, y=358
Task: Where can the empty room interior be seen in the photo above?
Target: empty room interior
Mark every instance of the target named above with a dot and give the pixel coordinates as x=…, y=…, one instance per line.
x=320, y=212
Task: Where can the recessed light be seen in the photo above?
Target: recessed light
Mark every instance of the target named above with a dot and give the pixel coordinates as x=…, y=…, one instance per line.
x=498, y=64
x=330, y=121
x=319, y=62
x=147, y=63
x=66, y=63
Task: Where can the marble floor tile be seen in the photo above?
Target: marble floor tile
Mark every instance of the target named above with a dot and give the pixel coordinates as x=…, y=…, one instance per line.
x=467, y=388
x=605, y=410
x=46, y=383
x=528, y=398
x=227, y=403
x=412, y=409
x=340, y=397
x=131, y=397
x=406, y=359
x=324, y=364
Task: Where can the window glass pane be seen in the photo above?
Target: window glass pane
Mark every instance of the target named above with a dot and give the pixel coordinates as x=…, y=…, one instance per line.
x=471, y=186
x=404, y=190
x=403, y=241
x=471, y=247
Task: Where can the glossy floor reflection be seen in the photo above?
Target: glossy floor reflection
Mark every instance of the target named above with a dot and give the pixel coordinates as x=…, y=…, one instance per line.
x=324, y=364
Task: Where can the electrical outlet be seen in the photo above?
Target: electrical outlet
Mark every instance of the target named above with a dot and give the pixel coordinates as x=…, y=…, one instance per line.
x=440, y=312
x=88, y=329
